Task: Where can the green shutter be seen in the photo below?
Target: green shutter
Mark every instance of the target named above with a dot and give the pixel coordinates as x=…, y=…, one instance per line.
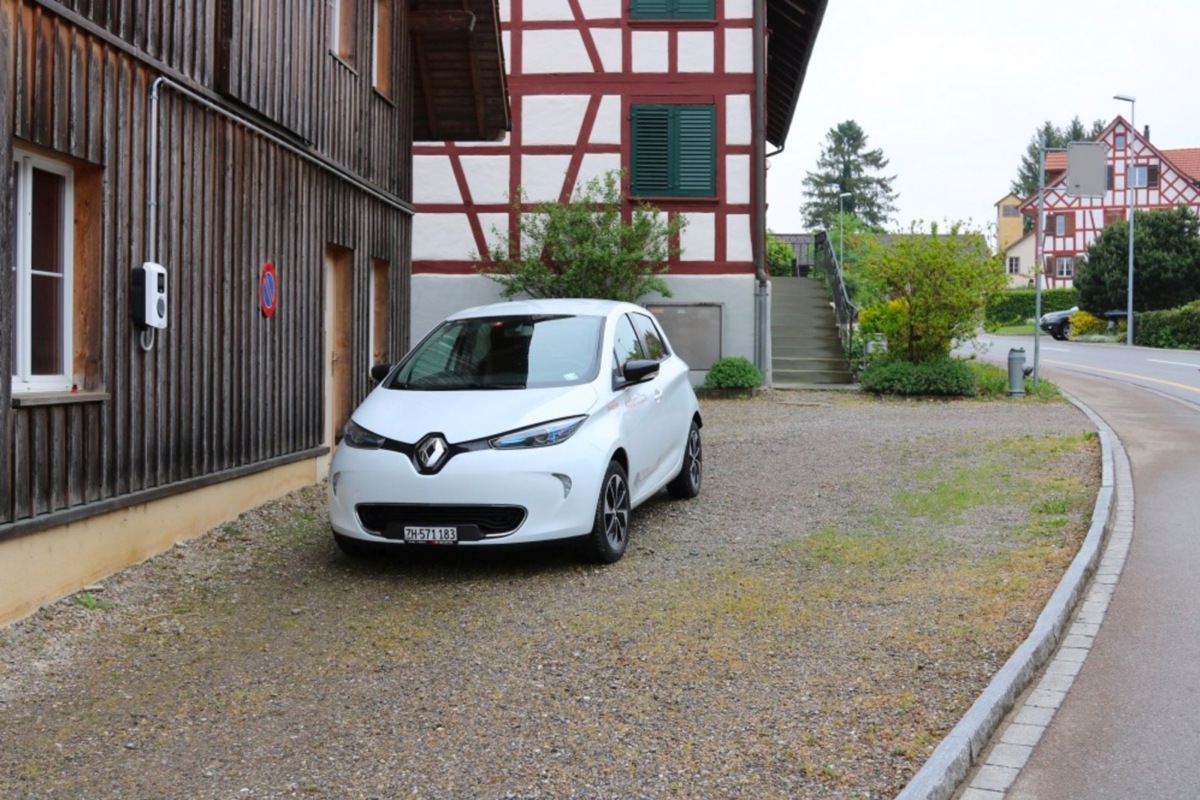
x=651, y=150
x=673, y=9
x=694, y=9
x=650, y=9
x=697, y=151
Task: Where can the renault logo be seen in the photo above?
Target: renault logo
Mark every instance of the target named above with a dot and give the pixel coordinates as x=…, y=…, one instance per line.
x=432, y=452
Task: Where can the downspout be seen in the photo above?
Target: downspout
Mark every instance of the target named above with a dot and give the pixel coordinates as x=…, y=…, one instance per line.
x=762, y=308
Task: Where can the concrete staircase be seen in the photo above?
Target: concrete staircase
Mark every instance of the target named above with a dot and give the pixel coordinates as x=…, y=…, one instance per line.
x=805, y=350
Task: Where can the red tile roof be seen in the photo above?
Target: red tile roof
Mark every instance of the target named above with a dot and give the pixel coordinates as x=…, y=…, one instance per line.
x=1187, y=160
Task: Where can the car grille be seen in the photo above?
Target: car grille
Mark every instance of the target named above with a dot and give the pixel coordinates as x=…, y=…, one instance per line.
x=389, y=520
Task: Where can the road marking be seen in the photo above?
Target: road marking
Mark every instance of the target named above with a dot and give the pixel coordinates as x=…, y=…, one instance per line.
x=1135, y=376
x=1173, y=363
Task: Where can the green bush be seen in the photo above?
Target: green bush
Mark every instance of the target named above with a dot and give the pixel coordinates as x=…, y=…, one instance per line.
x=939, y=376
x=1176, y=327
x=733, y=372
x=1014, y=306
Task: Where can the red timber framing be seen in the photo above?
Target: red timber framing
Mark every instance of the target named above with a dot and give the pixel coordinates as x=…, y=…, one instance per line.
x=1165, y=178
x=605, y=72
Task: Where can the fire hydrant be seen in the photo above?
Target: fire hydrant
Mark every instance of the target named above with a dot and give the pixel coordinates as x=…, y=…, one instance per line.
x=1016, y=372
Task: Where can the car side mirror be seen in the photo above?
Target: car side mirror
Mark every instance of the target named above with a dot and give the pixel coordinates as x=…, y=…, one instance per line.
x=638, y=371
x=379, y=372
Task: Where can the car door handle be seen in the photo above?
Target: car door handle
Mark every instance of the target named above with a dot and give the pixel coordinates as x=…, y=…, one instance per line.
x=658, y=395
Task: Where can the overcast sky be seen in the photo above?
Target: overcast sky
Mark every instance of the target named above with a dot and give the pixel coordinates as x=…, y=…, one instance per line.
x=952, y=90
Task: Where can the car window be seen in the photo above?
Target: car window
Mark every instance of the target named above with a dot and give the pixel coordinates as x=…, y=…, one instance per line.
x=626, y=344
x=504, y=352
x=652, y=340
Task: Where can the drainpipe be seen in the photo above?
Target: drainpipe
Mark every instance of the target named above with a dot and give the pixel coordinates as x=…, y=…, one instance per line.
x=762, y=308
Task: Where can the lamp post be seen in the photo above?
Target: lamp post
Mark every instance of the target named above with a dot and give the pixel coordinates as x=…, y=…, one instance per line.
x=842, y=233
x=1129, y=190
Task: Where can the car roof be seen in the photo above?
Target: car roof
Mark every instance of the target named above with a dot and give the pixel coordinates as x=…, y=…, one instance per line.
x=576, y=306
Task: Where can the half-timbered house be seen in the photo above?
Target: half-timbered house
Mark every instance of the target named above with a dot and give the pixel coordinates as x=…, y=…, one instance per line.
x=683, y=96
x=256, y=154
x=1139, y=174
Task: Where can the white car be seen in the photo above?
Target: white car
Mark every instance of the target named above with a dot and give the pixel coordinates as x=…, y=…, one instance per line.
x=519, y=422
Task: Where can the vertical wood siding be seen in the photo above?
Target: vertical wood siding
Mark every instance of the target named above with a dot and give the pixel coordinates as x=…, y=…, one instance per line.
x=224, y=388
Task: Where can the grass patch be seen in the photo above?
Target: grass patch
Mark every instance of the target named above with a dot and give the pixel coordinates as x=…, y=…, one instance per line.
x=1016, y=330
x=91, y=602
x=991, y=382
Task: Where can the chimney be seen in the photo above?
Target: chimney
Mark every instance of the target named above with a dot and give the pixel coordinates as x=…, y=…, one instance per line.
x=1146, y=133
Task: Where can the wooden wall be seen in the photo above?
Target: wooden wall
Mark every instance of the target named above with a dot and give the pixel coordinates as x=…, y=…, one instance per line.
x=224, y=390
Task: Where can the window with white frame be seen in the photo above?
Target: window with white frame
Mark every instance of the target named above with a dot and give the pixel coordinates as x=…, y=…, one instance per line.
x=43, y=223
x=1064, y=267
x=1014, y=265
x=1145, y=176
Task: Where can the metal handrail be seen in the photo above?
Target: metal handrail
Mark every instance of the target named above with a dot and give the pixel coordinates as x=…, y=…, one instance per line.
x=844, y=310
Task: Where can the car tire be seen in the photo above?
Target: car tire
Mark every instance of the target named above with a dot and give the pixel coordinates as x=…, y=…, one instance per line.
x=686, y=484
x=355, y=548
x=610, y=527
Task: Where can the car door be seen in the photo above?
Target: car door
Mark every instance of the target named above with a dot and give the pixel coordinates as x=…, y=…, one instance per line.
x=637, y=405
x=671, y=391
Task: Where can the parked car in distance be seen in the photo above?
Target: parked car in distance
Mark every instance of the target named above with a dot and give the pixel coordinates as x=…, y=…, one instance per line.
x=1058, y=323
x=519, y=422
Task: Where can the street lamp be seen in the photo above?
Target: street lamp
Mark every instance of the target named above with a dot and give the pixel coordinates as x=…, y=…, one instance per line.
x=1129, y=189
x=842, y=233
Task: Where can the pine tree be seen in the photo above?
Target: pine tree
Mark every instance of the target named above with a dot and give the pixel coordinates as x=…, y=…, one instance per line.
x=1026, y=182
x=845, y=165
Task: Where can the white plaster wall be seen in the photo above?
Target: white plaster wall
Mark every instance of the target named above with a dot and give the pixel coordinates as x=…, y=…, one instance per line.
x=739, y=9
x=735, y=294
x=607, y=127
x=600, y=9
x=650, y=51
x=495, y=227
x=442, y=237
x=737, y=178
x=506, y=10
x=739, y=50
x=699, y=238
x=509, y=63
x=546, y=10
x=739, y=124
x=433, y=180
x=552, y=118
x=435, y=297
x=487, y=178
x=608, y=45
x=738, y=245
x=553, y=52
x=696, y=51
x=542, y=177
x=594, y=165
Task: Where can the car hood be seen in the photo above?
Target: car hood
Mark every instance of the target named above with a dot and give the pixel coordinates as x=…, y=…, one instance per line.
x=461, y=416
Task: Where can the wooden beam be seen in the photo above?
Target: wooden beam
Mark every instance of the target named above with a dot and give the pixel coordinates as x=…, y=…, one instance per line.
x=433, y=22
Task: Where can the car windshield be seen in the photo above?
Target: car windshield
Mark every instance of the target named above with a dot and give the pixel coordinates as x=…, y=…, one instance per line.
x=504, y=352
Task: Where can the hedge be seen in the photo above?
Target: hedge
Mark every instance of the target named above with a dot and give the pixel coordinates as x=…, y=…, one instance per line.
x=1014, y=306
x=939, y=376
x=1174, y=327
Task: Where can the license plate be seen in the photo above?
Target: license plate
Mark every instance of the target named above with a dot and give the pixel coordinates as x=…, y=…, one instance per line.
x=437, y=535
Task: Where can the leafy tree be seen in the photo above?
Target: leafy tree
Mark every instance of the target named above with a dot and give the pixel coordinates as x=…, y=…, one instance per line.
x=845, y=165
x=1026, y=182
x=1166, y=263
x=584, y=248
x=780, y=256
x=938, y=285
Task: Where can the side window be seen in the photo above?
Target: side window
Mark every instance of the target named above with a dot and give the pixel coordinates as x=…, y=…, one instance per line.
x=43, y=271
x=626, y=345
x=652, y=340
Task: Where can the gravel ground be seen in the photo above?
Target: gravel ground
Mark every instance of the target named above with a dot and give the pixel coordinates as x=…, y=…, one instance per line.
x=852, y=574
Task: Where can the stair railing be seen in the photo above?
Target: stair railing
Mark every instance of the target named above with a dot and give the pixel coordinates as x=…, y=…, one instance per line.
x=828, y=265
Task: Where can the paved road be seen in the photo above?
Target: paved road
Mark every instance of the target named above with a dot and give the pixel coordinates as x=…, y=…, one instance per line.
x=1130, y=725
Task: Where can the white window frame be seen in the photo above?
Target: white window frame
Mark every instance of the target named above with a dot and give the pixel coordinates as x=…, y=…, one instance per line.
x=22, y=378
x=1060, y=224
x=1014, y=265
x=1064, y=267
x=1120, y=142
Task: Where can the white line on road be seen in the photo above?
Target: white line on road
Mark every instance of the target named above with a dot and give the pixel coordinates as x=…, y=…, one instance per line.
x=1174, y=363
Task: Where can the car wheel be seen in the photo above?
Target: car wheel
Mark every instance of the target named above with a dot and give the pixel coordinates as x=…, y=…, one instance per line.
x=610, y=528
x=1063, y=332
x=686, y=484
x=355, y=548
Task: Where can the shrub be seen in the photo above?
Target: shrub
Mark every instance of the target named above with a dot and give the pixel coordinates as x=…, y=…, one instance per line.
x=991, y=382
x=938, y=376
x=1085, y=324
x=1014, y=306
x=733, y=372
x=1176, y=327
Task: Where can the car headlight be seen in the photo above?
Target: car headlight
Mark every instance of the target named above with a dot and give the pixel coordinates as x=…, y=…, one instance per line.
x=544, y=435
x=356, y=435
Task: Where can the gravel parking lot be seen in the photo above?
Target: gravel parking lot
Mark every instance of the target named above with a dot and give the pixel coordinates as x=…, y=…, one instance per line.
x=849, y=579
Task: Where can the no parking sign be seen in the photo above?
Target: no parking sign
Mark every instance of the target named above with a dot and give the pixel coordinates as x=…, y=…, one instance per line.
x=268, y=289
